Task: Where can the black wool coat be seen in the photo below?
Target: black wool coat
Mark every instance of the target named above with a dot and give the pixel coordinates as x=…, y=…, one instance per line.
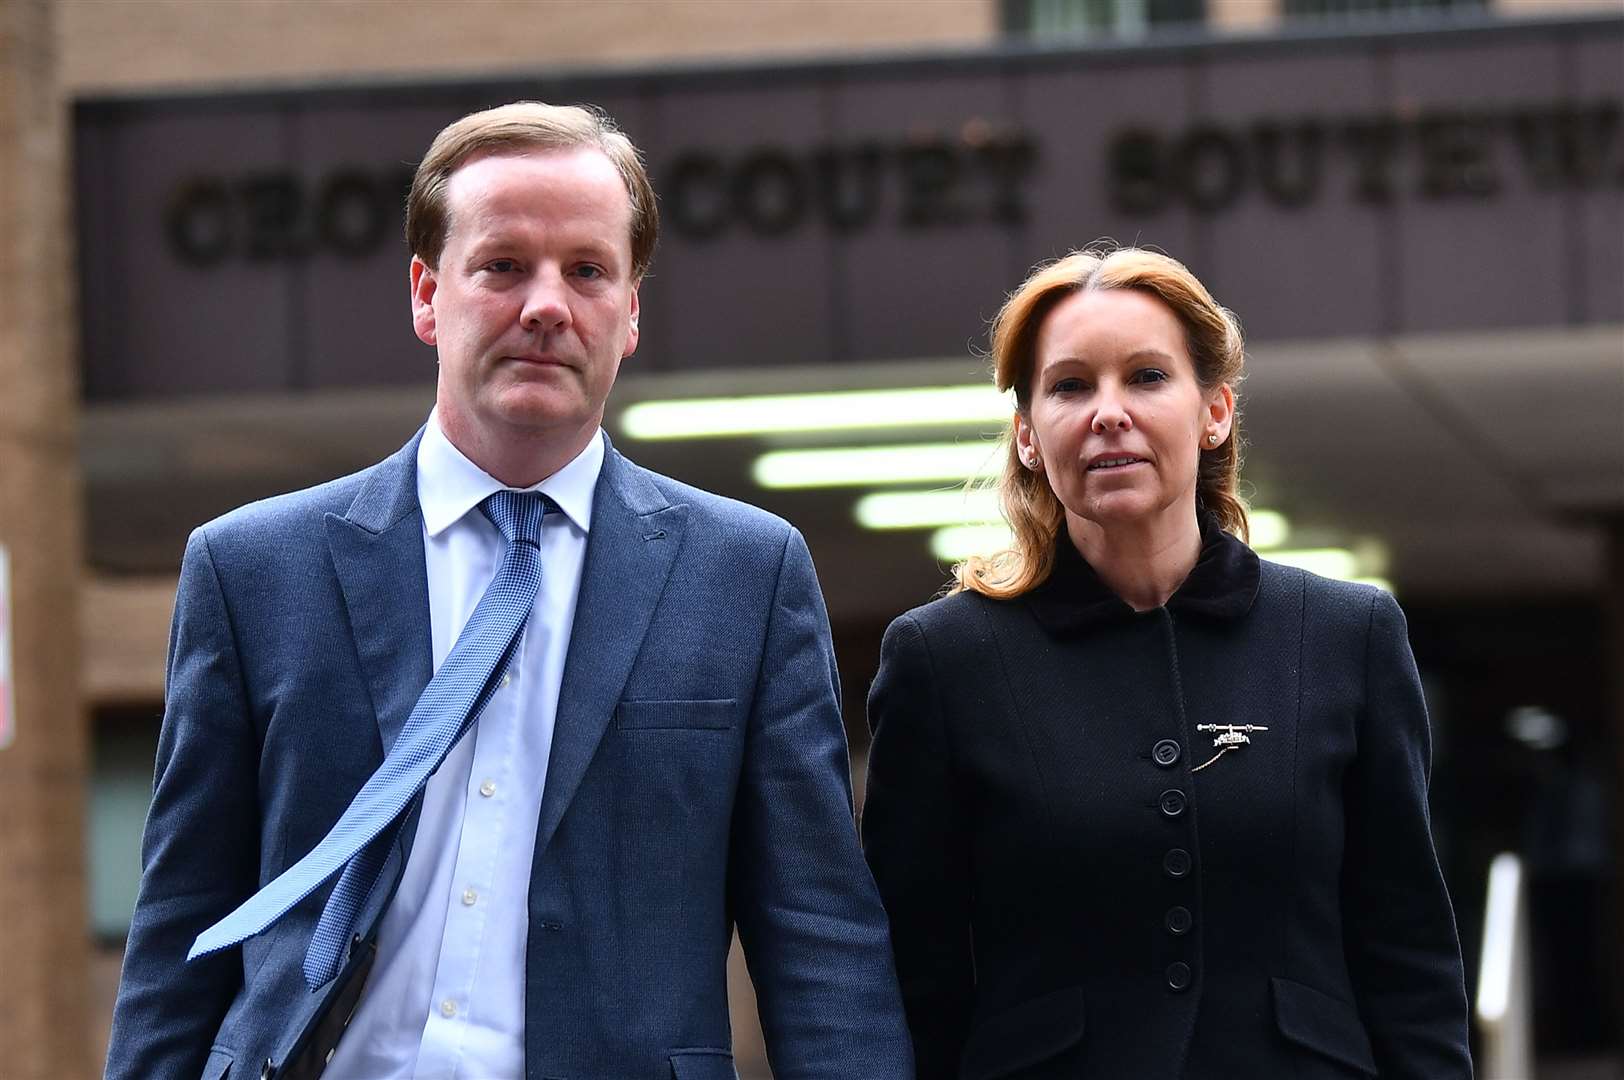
x=1070, y=897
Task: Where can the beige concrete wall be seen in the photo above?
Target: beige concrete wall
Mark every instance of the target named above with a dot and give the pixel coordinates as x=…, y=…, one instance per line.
x=44, y=939
x=148, y=43
x=1265, y=15
x=1539, y=8
x=1244, y=15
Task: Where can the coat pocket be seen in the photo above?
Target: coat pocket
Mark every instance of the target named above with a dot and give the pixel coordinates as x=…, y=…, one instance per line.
x=1322, y=1023
x=702, y=1065
x=218, y=1067
x=667, y=715
x=1028, y=1034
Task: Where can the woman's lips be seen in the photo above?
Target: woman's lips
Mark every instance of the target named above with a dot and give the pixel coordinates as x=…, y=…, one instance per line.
x=1109, y=462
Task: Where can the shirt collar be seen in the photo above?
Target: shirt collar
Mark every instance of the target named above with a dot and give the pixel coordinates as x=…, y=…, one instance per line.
x=449, y=485
x=1223, y=585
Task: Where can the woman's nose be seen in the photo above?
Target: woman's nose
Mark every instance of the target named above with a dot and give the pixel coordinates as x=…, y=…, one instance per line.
x=1110, y=413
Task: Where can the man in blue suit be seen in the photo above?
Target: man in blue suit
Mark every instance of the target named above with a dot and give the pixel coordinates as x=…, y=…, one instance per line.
x=657, y=756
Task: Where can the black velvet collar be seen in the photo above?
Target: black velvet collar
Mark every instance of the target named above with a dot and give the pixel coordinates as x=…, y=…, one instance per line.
x=1223, y=585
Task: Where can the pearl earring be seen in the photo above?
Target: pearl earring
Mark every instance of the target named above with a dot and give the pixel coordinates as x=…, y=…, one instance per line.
x=1212, y=439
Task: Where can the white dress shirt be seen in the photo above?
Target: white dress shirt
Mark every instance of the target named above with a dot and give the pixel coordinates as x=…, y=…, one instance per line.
x=445, y=1000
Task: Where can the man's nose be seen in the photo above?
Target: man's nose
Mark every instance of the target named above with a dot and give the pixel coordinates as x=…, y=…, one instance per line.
x=546, y=303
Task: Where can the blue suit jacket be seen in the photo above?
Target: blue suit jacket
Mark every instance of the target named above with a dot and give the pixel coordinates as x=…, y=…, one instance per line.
x=698, y=778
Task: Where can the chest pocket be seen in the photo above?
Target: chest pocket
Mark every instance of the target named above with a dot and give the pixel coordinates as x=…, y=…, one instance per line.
x=717, y=715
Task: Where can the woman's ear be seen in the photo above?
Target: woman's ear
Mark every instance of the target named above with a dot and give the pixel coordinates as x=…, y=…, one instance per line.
x=1220, y=416
x=1026, y=443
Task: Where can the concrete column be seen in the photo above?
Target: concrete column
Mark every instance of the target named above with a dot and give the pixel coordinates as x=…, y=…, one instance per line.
x=44, y=939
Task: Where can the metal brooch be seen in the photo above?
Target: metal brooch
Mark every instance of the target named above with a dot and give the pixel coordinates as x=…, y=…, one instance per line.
x=1229, y=737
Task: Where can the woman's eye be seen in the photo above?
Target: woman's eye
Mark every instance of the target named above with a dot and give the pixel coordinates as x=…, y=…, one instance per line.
x=1067, y=386
x=1150, y=375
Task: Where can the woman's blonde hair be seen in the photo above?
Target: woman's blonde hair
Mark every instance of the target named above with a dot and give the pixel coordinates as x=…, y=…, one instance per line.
x=1213, y=336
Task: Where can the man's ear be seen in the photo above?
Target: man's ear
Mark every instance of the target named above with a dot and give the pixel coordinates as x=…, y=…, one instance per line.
x=423, y=286
x=631, y=332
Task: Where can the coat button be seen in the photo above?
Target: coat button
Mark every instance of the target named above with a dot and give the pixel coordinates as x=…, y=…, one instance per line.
x=1179, y=920
x=1176, y=863
x=1166, y=753
x=1178, y=976
x=1172, y=802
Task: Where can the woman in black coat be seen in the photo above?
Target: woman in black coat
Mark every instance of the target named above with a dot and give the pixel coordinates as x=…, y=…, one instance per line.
x=1141, y=806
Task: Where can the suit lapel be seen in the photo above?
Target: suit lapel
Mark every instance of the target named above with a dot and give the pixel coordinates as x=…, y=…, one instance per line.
x=635, y=536
x=377, y=553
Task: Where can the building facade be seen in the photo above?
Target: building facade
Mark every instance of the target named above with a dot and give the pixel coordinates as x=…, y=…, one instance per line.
x=1416, y=209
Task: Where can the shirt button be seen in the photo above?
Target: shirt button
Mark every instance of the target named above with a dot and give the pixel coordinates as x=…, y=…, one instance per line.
x=448, y=1008
x=1179, y=920
x=488, y=788
x=469, y=896
x=1172, y=802
x=1166, y=753
x=1178, y=976
x=1176, y=863
x=506, y=679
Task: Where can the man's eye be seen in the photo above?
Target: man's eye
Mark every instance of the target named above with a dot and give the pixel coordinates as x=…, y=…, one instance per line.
x=589, y=271
x=501, y=266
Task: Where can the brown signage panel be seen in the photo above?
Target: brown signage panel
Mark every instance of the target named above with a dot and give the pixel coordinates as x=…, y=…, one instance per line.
x=838, y=214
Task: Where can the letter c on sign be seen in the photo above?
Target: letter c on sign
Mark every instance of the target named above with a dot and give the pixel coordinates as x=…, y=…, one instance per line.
x=198, y=222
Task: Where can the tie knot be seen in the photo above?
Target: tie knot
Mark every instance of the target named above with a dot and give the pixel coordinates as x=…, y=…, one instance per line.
x=517, y=514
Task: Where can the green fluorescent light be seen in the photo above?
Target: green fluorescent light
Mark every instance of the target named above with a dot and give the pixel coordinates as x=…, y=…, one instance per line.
x=844, y=410
x=870, y=465
x=957, y=542
x=925, y=509
x=920, y=509
x=1269, y=528
x=1337, y=563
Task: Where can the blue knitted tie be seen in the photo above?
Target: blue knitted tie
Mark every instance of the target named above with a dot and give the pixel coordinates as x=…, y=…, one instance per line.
x=450, y=704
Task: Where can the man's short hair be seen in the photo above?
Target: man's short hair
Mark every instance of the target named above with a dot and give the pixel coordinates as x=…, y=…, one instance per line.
x=515, y=128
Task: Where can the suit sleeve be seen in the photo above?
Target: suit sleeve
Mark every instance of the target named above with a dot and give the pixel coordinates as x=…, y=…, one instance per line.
x=918, y=850
x=808, y=915
x=1402, y=946
x=199, y=853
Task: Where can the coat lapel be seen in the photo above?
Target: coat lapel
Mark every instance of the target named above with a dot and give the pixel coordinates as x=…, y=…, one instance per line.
x=377, y=553
x=635, y=536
